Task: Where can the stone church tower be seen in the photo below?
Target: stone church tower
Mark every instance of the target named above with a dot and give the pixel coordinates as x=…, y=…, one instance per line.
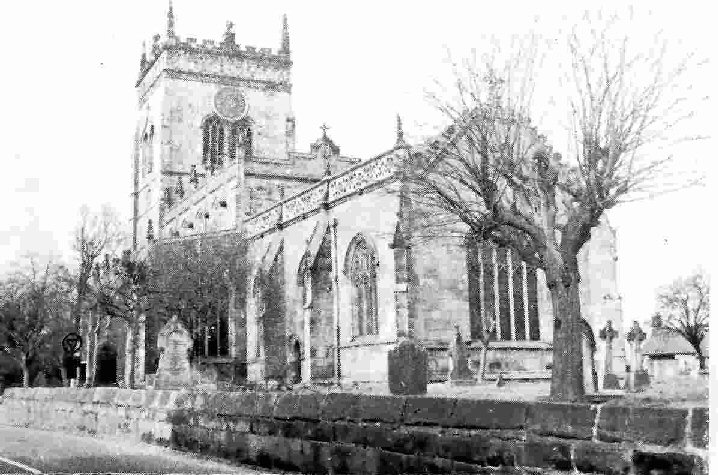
x=215, y=141
x=201, y=107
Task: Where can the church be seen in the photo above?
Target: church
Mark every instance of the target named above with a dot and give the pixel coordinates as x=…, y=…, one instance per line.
x=336, y=281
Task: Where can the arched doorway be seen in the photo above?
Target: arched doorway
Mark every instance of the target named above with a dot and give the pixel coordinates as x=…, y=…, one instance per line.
x=106, y=365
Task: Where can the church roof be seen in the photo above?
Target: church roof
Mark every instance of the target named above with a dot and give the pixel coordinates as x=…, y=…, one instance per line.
x=666, y=341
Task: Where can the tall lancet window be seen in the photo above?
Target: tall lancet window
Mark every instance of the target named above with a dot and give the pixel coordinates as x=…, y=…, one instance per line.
x=233, y=134
x=213, y=143
x=361, y=269
x=503, y=300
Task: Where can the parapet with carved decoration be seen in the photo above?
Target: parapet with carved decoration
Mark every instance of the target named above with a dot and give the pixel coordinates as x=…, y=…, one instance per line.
x=329, y=192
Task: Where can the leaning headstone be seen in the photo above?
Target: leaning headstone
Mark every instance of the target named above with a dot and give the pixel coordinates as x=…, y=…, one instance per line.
x=460, y=373
x=173, y=370
x=608, y=334
x=639, y=378
x=408, y=368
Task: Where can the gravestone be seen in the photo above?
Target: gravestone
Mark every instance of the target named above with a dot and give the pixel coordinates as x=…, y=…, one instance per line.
x=608, y=334
x=408, y=368
x=174, y=343
x=639, y=378
x=460, y=373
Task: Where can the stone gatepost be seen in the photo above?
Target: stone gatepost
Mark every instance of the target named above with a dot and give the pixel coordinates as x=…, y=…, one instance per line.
x=608, y=334
x=638, y=378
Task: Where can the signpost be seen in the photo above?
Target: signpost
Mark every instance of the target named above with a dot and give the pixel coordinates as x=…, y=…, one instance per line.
x=71, y=345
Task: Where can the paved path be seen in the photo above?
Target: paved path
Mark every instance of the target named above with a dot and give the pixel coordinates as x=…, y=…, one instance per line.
x=24, y=451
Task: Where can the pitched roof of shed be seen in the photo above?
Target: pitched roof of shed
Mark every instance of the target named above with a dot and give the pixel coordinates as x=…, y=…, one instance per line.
x=666, y=341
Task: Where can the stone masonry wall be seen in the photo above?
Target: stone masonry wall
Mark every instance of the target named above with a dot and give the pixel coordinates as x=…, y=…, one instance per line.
x=350, y=433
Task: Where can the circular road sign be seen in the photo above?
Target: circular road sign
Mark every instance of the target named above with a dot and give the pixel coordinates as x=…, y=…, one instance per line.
x=71, y=343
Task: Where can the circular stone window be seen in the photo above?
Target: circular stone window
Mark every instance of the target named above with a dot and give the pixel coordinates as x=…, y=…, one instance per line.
x=230, y=103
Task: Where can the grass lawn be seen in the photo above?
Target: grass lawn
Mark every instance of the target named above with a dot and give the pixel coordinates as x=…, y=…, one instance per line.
x=680, y=391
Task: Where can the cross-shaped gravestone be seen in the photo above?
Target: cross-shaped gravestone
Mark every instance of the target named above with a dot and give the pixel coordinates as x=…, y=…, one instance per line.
x=608, y=334
x=639, y=377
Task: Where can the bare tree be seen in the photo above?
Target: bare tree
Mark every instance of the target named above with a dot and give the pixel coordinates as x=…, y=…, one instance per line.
x=685, y=308
x=198, y=278
x=493, y=177
x=96, y=233
x=120, y=289
x=34, y=307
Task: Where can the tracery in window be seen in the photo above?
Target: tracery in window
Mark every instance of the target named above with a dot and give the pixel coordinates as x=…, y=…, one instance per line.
x=502, y=293
x=361, y=267
x=222, y=141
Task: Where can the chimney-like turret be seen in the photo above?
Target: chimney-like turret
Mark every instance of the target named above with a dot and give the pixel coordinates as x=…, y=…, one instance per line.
x=399, y=132
x=229, y=36
x=156, y=48
x=143, y=58
x=656, y=321
x=284, y=49
x=170, y=22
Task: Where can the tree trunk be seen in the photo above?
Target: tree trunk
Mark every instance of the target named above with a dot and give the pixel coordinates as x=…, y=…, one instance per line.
x=482, y=362
x=25, y=372
x=567, y=372
x=701, y=358
x=63, y=374
x=131, y=378
x=92, y=348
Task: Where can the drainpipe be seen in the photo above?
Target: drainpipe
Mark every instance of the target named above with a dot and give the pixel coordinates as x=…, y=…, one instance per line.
x=335, y=293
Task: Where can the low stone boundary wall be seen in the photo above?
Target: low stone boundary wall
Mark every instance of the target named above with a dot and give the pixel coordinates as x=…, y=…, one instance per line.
x=350, y=433
x=141, y=414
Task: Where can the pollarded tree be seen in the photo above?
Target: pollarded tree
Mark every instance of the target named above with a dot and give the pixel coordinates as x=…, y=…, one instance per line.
x=493, y=176
x=685, y=308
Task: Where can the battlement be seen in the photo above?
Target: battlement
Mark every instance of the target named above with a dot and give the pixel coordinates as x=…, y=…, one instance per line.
x=206, y=46
x=227, y=47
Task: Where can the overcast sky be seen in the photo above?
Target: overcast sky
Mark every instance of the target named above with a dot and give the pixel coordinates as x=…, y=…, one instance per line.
x=68, y=102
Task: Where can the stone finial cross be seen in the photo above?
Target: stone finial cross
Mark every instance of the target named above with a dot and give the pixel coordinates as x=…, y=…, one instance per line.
x=230, y=25
x=324, y=128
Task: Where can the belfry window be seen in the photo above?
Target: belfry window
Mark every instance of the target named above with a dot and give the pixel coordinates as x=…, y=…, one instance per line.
x=361, y=271
x=221, y=141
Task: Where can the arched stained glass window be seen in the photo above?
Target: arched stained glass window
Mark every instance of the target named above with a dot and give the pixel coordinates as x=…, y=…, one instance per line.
x=361, y=270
